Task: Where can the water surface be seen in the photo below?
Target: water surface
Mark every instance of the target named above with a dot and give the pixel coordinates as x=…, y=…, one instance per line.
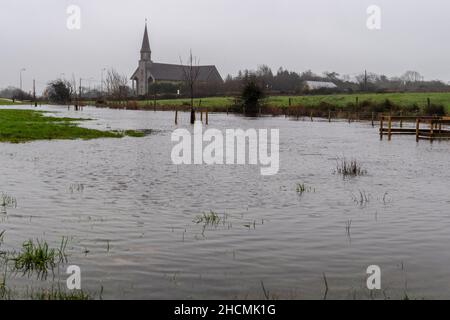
x=131, y=224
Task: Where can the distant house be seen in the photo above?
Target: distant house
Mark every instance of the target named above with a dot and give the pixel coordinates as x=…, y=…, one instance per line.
x=316, y=85
x=149, y=71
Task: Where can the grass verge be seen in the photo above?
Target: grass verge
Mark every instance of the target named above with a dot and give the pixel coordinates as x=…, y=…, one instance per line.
x=17, y=126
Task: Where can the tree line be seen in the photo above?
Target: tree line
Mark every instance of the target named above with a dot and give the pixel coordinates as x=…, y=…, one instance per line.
x=282, y=82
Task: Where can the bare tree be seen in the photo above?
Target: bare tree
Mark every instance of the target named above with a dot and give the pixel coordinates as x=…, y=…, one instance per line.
x=191, y=74
x=412, y=76
x=116, y=85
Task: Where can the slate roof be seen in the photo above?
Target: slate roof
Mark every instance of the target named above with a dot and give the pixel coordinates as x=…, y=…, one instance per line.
x=174, y=72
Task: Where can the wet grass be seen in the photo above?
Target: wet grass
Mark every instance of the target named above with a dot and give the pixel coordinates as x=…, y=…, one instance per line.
x=76, y=187
x=362, y=198
x=59, y=294
x=7, y=201
x=37, y=257
x=348, y=227
x=302, y=188
x=18, y=126
x=9, y=102
x=221, y=104
x=134, y=133
x=209, y=219
x=350, y=168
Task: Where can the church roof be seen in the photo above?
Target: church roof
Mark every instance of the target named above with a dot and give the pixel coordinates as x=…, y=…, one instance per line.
x=174, y=72
x=145, y=41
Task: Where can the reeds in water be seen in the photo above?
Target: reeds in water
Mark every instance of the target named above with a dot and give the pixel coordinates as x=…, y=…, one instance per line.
x=350, y=168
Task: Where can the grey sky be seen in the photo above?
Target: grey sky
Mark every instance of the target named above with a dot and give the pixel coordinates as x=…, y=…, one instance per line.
x=322, y=35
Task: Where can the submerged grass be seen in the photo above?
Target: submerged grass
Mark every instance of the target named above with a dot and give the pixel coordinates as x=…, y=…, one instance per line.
x=37, y=257
x=7, y=201
x=302, y=188
x=208, y=219
x=58, y=294
x=17, y=126
x=362, y=198
x=350, y=168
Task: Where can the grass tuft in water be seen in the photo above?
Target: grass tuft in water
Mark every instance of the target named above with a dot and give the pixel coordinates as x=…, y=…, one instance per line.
x=362, y=199
x=208, y=219
x=38, y=257
x=58, y=294
x=348, y=226
x=350, y=168
x=302, y=188
x=7, y=201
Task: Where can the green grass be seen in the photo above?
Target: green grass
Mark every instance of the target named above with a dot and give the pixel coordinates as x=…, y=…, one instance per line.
x=8, y=102
x=208, y=219
x=17, y=126
x=37, y=257
x=58, y=294
x=350, y=168
x=338, y=100
x=302, y=188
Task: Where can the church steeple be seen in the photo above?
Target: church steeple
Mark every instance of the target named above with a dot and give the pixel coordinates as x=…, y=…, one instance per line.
x=146, y=53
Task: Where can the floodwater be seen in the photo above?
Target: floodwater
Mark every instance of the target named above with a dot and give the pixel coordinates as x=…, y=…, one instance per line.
x=129, y=212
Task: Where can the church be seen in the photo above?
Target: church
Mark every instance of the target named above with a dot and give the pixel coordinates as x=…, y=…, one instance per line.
x=149, y=71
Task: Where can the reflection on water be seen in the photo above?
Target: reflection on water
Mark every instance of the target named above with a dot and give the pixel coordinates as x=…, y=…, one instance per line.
x=131, y=214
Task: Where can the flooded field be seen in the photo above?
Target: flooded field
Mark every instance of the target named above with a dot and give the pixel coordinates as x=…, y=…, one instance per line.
x=132, y=217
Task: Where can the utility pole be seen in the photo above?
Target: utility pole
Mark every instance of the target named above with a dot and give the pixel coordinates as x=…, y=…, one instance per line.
x=21, y=70
x=79, y=93
x=365, y=80
x=34, y=93
x=104, y=69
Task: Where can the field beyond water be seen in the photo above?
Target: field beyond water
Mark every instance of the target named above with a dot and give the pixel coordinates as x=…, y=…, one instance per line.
x=403, y=100
x=9, y=102
x=18, y=126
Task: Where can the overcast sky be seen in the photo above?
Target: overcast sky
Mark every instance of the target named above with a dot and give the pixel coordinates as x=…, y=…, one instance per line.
x=321, y=35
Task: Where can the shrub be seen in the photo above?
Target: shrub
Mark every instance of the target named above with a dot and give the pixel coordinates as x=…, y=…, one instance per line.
x=434, y=110
x=252, y=95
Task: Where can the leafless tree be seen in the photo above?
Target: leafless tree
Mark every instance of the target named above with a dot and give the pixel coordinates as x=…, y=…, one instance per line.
x=191, y=74
x=116, y=85
x=412, y=76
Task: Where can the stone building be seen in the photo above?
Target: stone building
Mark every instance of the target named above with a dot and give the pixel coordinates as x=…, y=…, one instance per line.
x=149, y=71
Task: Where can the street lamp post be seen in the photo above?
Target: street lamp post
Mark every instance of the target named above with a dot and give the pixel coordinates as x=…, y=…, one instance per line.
x=21, y=70
x=101, y=90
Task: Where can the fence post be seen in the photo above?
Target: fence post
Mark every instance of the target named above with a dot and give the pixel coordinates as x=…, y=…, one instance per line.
x=417, y=129
x=431, y=130
x=390, y=128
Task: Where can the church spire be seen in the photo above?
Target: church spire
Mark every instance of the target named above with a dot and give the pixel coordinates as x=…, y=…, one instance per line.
x=145, y=42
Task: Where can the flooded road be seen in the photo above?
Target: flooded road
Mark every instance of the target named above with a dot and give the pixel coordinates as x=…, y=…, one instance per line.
x=129, y=212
